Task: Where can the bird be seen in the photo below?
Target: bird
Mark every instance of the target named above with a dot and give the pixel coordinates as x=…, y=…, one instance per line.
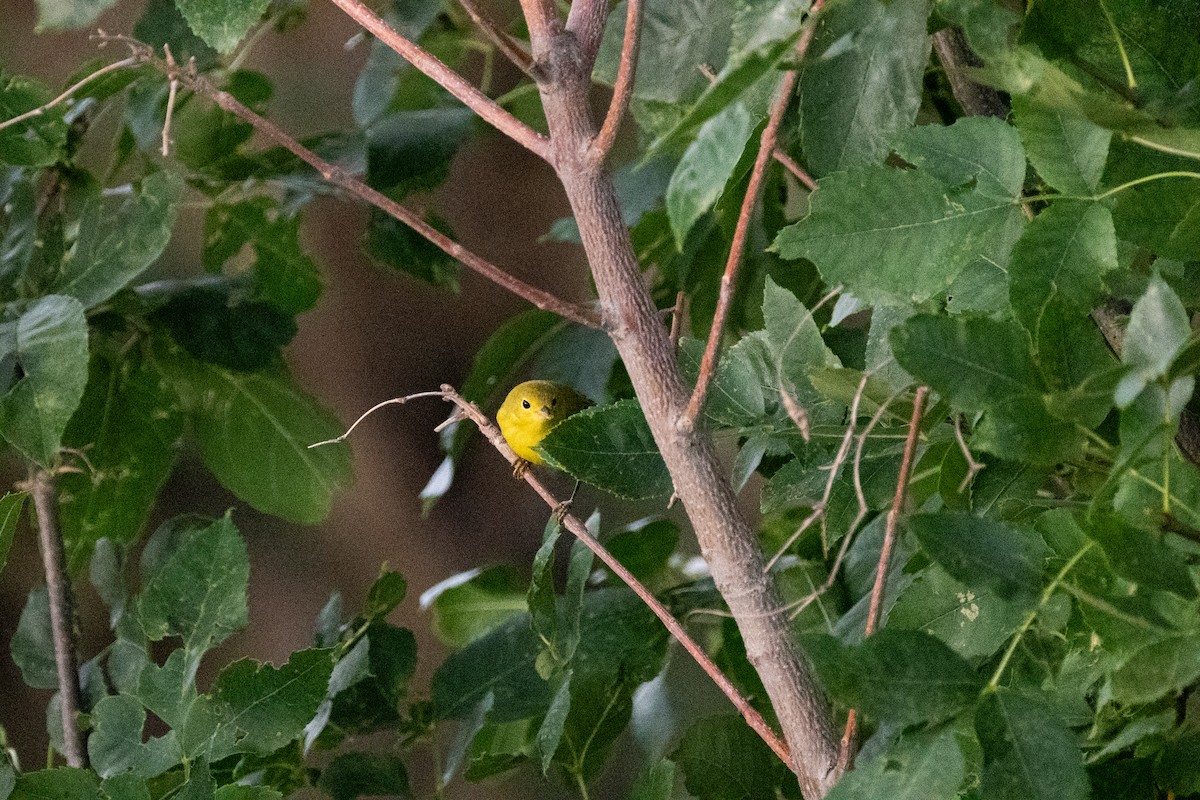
x=530, y=411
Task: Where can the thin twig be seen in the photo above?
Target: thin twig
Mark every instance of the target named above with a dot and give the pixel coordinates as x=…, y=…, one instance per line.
x=395, y=401
x=504, y=43
x=875, y=610
x=42, y=486
x=796, y=412
x=448, y=79
x=469, y=410
x=623, y=88
x=677, y=319
x=766, y=148
x=340, y=178
x=42, y=109
x=834, y=467
x=863, y=509
x=973, y=466
x=791, y=166
x=166, y=131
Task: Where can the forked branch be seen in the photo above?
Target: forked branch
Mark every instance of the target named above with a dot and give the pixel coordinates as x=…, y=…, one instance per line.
x=189, y=79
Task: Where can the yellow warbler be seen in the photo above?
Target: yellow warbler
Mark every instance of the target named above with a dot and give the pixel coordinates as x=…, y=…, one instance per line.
x=531, y=411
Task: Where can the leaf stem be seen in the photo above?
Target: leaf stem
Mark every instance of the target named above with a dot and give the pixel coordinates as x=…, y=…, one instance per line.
x=1047, y=593
x=1112, y=25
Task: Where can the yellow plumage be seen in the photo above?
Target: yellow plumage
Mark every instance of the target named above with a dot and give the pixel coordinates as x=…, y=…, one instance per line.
x=531, y=410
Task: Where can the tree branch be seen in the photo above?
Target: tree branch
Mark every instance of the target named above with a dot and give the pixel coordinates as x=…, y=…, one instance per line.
x=42, y=486
x=340, y=178
x=574, y=525
x=42, y=109
x=504, y=43
x=875, y=610
x=448, y=79
x=766, y=149
x=623, y=88
x=586, y=20
x=726, y=539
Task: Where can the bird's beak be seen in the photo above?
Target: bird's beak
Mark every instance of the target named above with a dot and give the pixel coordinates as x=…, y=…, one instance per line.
x=546, y=412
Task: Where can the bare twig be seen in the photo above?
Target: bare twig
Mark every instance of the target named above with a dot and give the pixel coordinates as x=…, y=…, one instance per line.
x=467, y=409
x=677, y=318
x=42, y=109
x=340, y=178
x=835, y=466
x=791, y=166
x=875, y=610
x=504, y=43
x=623, y=88
x=973, y=466
x=797, y=413
x=42, y=486
x=766, y=148
x=166, y=131
x=448, y=79
x=797, y=607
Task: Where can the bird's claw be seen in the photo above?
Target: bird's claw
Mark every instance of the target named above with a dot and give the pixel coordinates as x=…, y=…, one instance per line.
x=520, y=467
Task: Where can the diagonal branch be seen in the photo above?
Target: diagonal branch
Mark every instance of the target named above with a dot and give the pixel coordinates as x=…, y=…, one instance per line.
x=340, y=178
x=875, y=610
x=766, y=149
x=42, y=486
x=749, y=713
x=623, y=88
x=44, y=107
x=504, y=43
x=448, y=79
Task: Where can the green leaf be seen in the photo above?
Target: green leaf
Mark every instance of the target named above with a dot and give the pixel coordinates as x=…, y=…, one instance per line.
x=470, y=604
x=1028, y=754
x=46, y=354
x=977, y=550
x=543, y=607
x=1158, y=330
x=980, y=149
x=707, y=166
x=284, y=275
x=1066, y=149
x=115, y=246
x=610, y=447
x=246, y=421
x=385, y=594
x=162, y=24
x=895, y=675
x=735, y=395
x=672, y=44
x=972, y=619
x=222, y=23
x=61, y=783
x=915, y=232
x=1158, y=669
x=63, y=15
x=352, y=775
x=1176, y=766
x=115, y=745
x=981, y=364
x=215, y=324
x=796, y=344
x=33, y=643
x=411, y=150
x=1063, y=255
x=39, y=142
x=925, y=765
x=1142, y=557
x=550, y=732
x=130, y=425
x=194, y=582
x=270, y=707
x=656, y=783
x=644, y=547
x=394, y=244
x=11, y=505
x=722, y=759
x=374, y=700
x=1163, y=216
x=852, y=102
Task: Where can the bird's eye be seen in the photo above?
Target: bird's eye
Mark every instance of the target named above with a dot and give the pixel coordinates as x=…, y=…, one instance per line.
x=554, y=402
x=525, y=404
